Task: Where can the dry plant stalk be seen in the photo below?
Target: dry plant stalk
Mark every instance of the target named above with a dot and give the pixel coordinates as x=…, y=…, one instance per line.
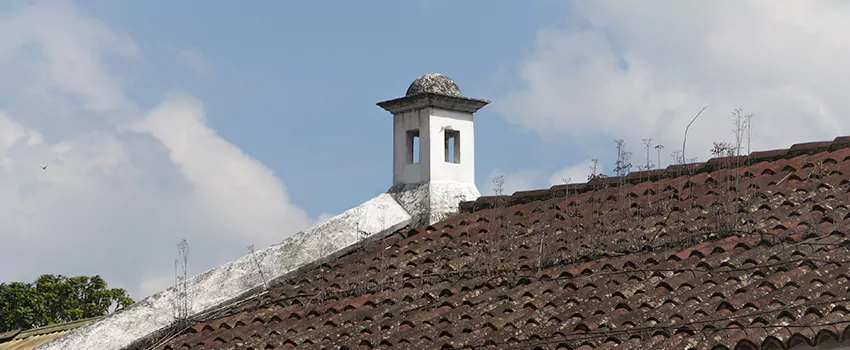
x=181, y=265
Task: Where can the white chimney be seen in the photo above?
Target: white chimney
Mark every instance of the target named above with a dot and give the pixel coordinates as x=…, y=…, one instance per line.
x=434, y=145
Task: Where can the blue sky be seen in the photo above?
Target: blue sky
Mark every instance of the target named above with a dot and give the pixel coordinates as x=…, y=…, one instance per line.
x=296, y=86
x=235, y=124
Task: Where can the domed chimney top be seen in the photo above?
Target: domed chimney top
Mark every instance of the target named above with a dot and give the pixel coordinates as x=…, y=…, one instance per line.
x=433, y=90
x=434, y=83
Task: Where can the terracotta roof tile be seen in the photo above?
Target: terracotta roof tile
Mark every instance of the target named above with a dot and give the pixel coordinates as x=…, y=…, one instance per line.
x=733, y=253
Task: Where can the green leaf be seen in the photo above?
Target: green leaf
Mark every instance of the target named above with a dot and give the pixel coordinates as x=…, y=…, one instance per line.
x=56, y=299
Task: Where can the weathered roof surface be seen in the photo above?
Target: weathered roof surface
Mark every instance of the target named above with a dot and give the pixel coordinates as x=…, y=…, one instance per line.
x=30, y=338
x=734, y=253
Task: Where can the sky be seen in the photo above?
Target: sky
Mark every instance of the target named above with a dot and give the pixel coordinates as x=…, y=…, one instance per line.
x=232, y=125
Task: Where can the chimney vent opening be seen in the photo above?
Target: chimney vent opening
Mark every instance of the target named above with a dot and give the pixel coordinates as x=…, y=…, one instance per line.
x=452, y=146
x=413, y=146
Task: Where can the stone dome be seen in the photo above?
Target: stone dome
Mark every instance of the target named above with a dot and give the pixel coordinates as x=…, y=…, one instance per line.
x=434, y=83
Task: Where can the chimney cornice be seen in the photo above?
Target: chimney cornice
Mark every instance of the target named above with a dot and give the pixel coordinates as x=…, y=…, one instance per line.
x=430, y=99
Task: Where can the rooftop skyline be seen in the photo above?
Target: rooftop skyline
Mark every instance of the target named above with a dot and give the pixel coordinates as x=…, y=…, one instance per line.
x=231, y=126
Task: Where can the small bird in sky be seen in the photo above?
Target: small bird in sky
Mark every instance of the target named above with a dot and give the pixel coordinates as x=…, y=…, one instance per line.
x=44, y=167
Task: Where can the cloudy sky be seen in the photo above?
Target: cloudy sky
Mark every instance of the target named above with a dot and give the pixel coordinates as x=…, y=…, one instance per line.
x=231, y=125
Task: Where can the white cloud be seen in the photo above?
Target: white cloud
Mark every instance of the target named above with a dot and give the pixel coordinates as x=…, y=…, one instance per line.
x=154, y=283
x=123, y=185
x=235, y=188
x=522, y=180
x=535, y=179
x=643, y=69
x=323, y=217
x=71, y=58
x=192, y=58
x=577, y=173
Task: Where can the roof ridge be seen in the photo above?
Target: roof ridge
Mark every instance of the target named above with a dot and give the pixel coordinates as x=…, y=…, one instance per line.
x=671, y=171
x=56, y=327
x=21, y=334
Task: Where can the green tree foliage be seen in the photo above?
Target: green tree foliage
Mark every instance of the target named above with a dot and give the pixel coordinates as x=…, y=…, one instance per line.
x=56, y=299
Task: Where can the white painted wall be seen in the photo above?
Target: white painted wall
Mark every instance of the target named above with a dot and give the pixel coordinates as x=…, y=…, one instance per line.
x=403, y=171
x=464, y=172
x=431, y=123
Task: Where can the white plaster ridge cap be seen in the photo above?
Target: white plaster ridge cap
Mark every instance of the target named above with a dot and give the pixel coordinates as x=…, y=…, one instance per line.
x=234, y=280
x=405, y=193
x=430, y=202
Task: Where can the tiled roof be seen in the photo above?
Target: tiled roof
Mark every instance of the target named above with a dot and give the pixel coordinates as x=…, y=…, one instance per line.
x=30, y=338
x=734, y=253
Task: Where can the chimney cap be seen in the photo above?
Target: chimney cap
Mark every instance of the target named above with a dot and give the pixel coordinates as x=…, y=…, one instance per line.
x=434, y=83
x=433, y=90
